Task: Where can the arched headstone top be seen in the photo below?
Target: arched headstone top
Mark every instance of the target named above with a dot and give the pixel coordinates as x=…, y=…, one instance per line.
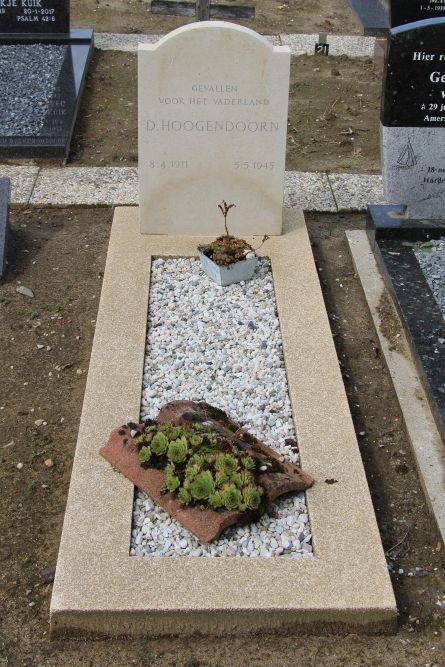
x=213, y=100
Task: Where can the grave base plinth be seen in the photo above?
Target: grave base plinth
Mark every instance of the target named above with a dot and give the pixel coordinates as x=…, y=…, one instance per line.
x=52, y=138
x=392, y=237
x=100, y=588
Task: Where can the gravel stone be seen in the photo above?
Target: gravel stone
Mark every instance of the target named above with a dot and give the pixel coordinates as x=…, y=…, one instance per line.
x=432, y=263
x=201, y=345
x=39, y=65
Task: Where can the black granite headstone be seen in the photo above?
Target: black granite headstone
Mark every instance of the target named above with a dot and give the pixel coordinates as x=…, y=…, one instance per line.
x=409, y=11
x=373, y=15
x=413, y=119
x=43, y=65
x=34, y=16
x=414, y=89
x=4, y=224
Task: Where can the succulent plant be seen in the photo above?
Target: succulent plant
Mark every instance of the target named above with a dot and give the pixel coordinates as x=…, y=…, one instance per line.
x=195, y=440
x=144, y=439
x=177, y=450
x=159, y=444
x=184, y=496
x=172, y=432
x=215, y=500
x=220, y=478
x=247, y=462
x=231, y=497
x=202, y=486
x=226, y=463
x=200, y=466
x=236, y=479
x=252, y=497
x=144, y=454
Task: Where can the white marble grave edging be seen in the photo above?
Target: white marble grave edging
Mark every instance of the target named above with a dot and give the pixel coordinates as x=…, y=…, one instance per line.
x=100, y=588
x=118, y=186
x=300, y=44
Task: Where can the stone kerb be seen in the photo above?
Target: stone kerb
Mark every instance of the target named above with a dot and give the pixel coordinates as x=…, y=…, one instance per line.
x=213, y=100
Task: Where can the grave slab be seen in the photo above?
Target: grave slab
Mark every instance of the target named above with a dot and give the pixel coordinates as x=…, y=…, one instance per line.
x=99, y=588
x=352, y=46
x=86, y=186
x=309, y=191
x=22, y=181
x=4, y=222
x=50, y=75
x=212, y=121
x=353, y=192
x=420, y=425
x=372, y=14
x=392, y=237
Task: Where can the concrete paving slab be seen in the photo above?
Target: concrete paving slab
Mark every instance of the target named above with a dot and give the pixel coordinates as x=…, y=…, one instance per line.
x=309, y=191
x=338, y=45
x=111, y=41
x=22, y=182
x=420, y=425
x=86, y=186
x=353, y=192
x=99, y=588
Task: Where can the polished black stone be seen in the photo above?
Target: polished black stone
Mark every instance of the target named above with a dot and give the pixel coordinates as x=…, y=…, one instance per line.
x=408, y=11
x=414, y=87
x=421, y=317
x=4, y=224
x=387, y=221
x=50, y=136
x=34, y=16
x=180, y=8
x=373, y=15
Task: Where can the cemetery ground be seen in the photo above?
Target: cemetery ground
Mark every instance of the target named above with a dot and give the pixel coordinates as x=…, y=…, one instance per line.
x=131, y=16
x=334, y=108
x=46, y=340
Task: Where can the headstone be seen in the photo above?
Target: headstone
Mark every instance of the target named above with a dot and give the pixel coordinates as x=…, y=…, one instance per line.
x=413, y=119
x=409, y=11
x=213, y=101
x=372, y=14
x=34, y=16
x=4, y=205
x=43, y=66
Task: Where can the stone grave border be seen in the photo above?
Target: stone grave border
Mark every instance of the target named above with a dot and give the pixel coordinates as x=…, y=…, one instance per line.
x=420, y=424
x=99, y=588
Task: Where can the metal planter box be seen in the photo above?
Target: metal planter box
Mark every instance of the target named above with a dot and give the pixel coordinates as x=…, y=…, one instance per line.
x=226, y=275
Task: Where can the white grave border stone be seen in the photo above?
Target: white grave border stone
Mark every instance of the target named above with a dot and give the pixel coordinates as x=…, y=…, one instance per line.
x=212, y=126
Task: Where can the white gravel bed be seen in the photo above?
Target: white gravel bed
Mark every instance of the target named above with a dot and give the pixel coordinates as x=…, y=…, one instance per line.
x=432, y=263
x=221, y=345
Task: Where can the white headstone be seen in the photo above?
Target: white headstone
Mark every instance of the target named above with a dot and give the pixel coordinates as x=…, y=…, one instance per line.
x=213, y=102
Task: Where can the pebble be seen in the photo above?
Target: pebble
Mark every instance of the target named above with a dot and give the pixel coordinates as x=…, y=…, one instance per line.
x=432, y=262
x=207, y=343
x=25, y=291
x=19, y=466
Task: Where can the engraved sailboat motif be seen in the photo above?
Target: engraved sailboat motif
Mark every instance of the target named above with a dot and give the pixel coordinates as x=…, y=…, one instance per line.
x=407, y=158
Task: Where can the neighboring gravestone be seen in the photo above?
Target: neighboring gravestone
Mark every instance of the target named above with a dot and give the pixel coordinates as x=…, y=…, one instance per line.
x=213, y=101
x=4, y=205
x=34, y=16
x=409, y=11
x=413, y=119
x=43, y=66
